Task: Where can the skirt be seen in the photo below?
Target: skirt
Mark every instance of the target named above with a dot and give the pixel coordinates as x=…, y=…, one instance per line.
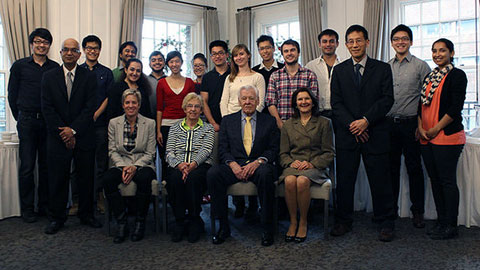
x=315, y=175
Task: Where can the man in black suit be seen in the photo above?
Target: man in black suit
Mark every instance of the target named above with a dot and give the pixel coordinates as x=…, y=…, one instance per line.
x=248, y=145
x=68, y=104
x=362, y=94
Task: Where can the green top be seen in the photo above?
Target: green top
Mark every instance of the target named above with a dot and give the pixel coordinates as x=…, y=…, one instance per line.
x=117, y=73
x=187, y=127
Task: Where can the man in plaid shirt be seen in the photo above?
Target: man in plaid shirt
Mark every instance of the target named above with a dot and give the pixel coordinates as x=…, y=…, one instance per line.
x=286, y=80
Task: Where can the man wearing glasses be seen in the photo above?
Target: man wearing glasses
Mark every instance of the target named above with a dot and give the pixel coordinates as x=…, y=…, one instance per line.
x=24, y=100
x=92, y=45
x=68, y=105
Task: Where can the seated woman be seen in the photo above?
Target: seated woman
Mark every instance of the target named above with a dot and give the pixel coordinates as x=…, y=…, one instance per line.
x=132, y=78
x=188, y=154
x=131, y=147
x=306, y=150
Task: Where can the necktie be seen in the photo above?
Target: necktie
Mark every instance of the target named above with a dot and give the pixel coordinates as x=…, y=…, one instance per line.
x=358, y=75
x=247, y=135
x=69, y=84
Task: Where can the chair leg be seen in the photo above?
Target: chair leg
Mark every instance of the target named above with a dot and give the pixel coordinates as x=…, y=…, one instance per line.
x=325, y=220
x=156, y=215
x=164, y=213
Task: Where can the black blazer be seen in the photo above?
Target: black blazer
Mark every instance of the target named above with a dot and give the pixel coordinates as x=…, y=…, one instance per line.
x=452, y=100
x=76, y=113
x=373, y=99
x=230, y=142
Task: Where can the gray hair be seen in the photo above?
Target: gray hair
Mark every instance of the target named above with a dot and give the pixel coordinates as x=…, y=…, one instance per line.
x=133, y=92
x=189, y=97
x=248, y=87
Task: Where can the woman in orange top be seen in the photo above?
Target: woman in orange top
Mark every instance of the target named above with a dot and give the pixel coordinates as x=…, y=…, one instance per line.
x=442, y=135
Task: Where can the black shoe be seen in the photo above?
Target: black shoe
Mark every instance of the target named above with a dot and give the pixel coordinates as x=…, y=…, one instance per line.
x=195, y=229
x=91, y=221
x=418, y=221
x=340, y=229
x=138, y=232
x=29, y=216
x=221, y=236
x=445, y=232
x=267, y=239
x=178, y=231
x=289, y=238
x=435, y=229
x=298, y=239
x=53, y=227
x=122, y=233
x=386, y=235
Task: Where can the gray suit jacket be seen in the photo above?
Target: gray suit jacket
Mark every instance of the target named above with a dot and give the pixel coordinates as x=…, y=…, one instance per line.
x=143, y=154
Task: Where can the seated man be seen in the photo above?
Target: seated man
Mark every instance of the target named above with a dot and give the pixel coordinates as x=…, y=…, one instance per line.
x=248, y=145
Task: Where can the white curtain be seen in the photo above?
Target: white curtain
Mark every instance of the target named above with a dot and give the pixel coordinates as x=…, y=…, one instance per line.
x=132, y=22
x=309, y=12
x=211, y=29
x=375, y=20
x=244, y=28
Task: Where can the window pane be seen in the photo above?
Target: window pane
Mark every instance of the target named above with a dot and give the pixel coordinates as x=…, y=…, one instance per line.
x=2, y=84
x=147, y=30
x=3, y=115
x=449, y=29
x=471, y=86
x=448, y=10
x=465, y=49
x=467, y=61
x=430, y=12
x=417, y=51
x=160, y=30
x=295, y=31
x=467, y=9
x=467, y=30
x=412, y=14
x=2, y=55
x=283, y=31
x=416, y=35
x=147, y=46
x=430, y=33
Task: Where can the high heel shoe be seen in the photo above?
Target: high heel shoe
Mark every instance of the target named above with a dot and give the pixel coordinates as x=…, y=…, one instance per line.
x=300, y=239
x=289, y=238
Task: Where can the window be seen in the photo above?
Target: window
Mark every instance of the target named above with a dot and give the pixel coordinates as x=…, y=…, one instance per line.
x=167, y=36
x=3, y=81
x=281, y=32
x=457, y=21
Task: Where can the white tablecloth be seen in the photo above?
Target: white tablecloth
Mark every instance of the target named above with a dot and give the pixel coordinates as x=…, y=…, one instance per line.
x=9, y=194
x=468, y=179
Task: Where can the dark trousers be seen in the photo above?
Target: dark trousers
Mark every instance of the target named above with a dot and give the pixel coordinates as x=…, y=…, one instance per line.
x=101, y=156
x=220, y=177
x=59, y=164
x=378, y=174
x=187, y=195
x=441, y=164
x=143, y=178
x=32, y=134
x=403, y=141
x=161, y=149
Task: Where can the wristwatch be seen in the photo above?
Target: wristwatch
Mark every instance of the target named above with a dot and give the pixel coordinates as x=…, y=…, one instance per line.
x=261, y=161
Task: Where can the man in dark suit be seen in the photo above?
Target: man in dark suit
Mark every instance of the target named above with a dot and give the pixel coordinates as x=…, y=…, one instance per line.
x=68, y=104
x=248, y=146
x=362, y=94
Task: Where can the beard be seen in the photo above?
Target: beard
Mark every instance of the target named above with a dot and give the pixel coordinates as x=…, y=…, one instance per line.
x=292, y=63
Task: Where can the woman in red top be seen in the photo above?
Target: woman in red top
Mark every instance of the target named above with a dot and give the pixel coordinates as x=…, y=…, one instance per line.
x=442, y=135
x=170, y=93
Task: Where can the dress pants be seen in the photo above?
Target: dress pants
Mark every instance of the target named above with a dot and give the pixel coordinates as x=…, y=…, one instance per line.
x=187, y=194
x=101, y=156
x=403, y=141
x=441, y=164
x=378, y=174
x=161, y=149
x=59, y=164
x=220, y=177
x=32, y=135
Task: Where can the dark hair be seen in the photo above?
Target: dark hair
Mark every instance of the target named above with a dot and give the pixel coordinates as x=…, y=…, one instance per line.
x=125, y=44
x=404, y=28
x=200, y=56
x=263, y=38
x=142, y=81
x=356, y=28
x=155, y=53
x=315, y=107
x=290, y=42
x=91, y=38
x=218, y=43
x=172, y=55
x=448, y=44
x=42, y=33
x=234, y=66
x=328, y=32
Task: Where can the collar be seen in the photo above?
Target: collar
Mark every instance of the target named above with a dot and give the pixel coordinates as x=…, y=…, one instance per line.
x=214, y=70
x=408, y=57
x=65, y=70
x=254, y=116
x=362, y=62
x=126, y=120
x=320, y=60
x=151, y=75
x=30, y=59
x=274, y=65
x=97, y=65
x=187, y=127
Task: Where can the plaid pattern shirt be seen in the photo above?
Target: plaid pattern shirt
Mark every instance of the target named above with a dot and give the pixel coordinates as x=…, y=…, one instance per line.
x=129, y=138
x=281, y=87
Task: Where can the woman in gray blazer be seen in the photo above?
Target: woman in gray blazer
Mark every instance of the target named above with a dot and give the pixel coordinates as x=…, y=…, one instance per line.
x=306, y=150
x=131, y=147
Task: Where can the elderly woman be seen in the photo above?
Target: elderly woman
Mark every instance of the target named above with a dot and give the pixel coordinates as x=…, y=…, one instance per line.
x=188, y=154
x=306, y=150
x=131, y=147
x=442, y=136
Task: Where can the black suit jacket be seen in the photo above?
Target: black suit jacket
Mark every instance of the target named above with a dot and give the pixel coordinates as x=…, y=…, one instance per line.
x=372, y=99
x=77, y=113
x=230, y=143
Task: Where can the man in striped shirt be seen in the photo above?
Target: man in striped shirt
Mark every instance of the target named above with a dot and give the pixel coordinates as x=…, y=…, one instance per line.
x=286, y=80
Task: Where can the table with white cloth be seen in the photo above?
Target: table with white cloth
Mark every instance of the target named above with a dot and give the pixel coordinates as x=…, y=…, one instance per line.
x=468, y=180
x=9, y=193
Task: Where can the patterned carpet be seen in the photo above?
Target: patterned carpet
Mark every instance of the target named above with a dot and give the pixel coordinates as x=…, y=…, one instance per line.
x=25, y=246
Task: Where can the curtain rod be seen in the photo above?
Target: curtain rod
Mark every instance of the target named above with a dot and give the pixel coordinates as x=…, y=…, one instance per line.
x=193, y=4
x=260, y=5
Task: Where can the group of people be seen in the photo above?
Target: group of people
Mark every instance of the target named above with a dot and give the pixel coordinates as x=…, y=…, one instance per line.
x=273, y=122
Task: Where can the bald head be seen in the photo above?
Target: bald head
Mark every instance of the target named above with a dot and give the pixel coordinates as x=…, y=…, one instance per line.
x=70, y=53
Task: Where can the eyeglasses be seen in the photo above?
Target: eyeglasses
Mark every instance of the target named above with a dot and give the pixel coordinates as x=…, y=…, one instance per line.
x=199, y=66
x=195, y=106
x=44, y=42
x=72, y=50
x=358, y=41
x=90, y=49
x=265, y=48
x=397, y=39
x=215, y=54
